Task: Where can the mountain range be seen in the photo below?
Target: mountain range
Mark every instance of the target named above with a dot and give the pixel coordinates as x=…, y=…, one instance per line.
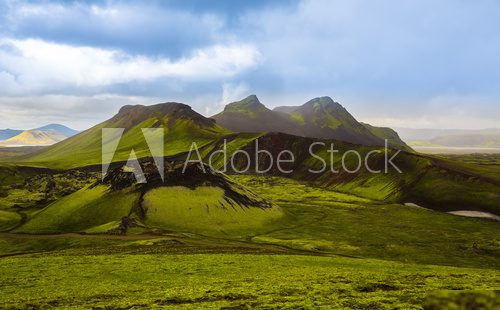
x=409, y=134
x=34, y=137
x=431, y=182
x=460, y=141
x=454, y=138
x=45, y=135
x=8, y=133
x=318, y=118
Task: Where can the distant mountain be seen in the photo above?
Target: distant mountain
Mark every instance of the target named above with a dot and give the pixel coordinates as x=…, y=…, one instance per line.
x=318, y=118
x=409, y=134
x=471, y=140
x=45, y=135
x=8, y=133
x=475, y=138
x=65, y=131
x=34, y=137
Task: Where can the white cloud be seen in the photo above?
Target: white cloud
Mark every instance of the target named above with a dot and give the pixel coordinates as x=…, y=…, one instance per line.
x=233, y=92
x=35, y=65
x=212, y=103
x=110, y=19
x=102, y=11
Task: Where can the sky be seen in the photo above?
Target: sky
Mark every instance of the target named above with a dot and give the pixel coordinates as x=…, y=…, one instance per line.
x=399, y=63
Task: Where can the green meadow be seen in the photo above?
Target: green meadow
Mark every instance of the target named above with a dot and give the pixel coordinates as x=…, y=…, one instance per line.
x=321, y=248
x=327, y=221
x=238, y=281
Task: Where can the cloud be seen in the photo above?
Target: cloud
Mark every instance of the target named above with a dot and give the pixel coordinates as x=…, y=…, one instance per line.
x=233, y=92
x=381, y=57
x=408, y=48
x=210, y=103
x=75, y=111
x=39, y=66
x=148, y=28
x=383, y=60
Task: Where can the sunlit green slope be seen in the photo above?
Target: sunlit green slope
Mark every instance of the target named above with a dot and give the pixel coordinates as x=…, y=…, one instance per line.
x=85, y=209
x=194, y=201
x=181, y=125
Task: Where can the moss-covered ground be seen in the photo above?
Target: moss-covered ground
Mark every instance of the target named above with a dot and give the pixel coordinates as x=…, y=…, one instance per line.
x=327, y=249
x=74, y=279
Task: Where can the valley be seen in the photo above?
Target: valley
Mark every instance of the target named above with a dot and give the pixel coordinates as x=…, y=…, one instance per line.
x=353, y=252
x=355, y=235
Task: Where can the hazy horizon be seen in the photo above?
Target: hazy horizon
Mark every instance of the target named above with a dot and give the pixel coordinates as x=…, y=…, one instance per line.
x=68, y=123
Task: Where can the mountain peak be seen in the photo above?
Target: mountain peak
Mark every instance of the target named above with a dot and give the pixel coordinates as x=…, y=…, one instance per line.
x=250, y=103
x=160, y=107
x=141, y=112
x=8, y=133
x=323, y=102
x=131, y=115
x=61, y=129
x=252, y=97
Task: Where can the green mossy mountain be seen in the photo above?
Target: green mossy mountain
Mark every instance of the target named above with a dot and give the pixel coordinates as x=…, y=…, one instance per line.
x=326, y=119
x=181, y=125
x=191, y=200
x=428, y=181
x=198, y=238
x=318, y=118
x=250, y=115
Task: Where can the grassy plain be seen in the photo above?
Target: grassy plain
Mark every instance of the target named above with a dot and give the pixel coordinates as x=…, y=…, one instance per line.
x=238, y=281
x=327, y=249
x=327, y=221
x=484, y=159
